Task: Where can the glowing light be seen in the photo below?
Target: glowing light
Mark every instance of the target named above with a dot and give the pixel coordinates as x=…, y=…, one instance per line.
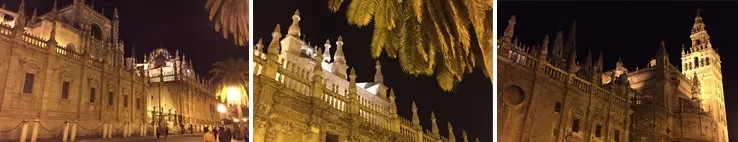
x=234, y=94
x=221, y=108
x=235, y=119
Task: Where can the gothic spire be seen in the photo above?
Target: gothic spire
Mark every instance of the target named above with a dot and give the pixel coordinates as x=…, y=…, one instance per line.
x=339, y=57
x=327, y=53
x=54, y=14
x=571, y=42
x=434, y=127
x=559, y=45
x=699, y=25
x=21, y=20
x=295, y=27
x=451, y=136
x=510, y=27
x=259, y=46
x=274, y=45
x=600, y=61
x=573, y=67
x=588, y=62
x=115, y=13
x=34, y=17
x=464, y=136
x=416, y=119
x=378, y=77
x=352, y=81
x=544, y=49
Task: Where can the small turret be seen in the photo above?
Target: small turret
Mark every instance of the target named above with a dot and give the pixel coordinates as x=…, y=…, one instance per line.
x=259, y=46
x=434, y=128
x=543, y=55
x=451, y=136
x=20, y=21
x=464, y=136
x=274, y=45
x=327, y=52
x=318, y=77
x=295, y=27
x=54, y=14
x=510, y=27
x=559, y=45
x=416, y=119
x=272, y=65
x=339, y=61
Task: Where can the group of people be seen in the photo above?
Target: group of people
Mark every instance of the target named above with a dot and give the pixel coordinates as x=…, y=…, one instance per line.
x=221, y=134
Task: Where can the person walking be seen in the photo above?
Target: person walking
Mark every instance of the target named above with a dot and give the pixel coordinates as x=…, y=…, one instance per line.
x=208, y=137
x=166, y=132
x=225, y=135
x=215, y=132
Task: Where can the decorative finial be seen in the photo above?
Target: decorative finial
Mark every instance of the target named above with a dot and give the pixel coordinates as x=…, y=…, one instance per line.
x=259, y=45
x=276, y=29
x=699, y=11
x=115, y=12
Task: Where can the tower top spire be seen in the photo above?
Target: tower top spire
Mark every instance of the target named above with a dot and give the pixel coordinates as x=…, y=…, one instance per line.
x=295, y=27
x=699, y=25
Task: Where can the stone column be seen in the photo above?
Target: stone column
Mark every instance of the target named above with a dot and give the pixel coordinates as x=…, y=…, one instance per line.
x=24, y=131
x=66, y=131
x=34, y=135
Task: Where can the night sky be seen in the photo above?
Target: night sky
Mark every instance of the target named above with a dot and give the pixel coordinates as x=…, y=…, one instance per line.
x=175, y=24
x=633, y=31
x=469, y=107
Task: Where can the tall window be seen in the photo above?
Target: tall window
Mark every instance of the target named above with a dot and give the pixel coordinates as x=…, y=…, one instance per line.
x=696, y=62
x=617, y=136
x=557, y=107
x=28, y=83
x=92, y=94
x=125, y=100
x=575, y=125
x=598, y=131
x=65, y=90
x=110, y=98
x=138, y=103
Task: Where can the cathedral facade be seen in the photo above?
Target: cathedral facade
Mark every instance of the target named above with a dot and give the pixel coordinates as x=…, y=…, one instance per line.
x=303, y=93
x=547, y=95
x=65, y=72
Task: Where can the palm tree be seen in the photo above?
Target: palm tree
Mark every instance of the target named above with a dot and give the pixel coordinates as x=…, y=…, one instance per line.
x=429, y=37
x=232, y=77
x=230, y=17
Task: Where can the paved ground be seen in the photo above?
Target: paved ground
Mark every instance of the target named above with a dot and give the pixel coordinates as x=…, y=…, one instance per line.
x=171, y=138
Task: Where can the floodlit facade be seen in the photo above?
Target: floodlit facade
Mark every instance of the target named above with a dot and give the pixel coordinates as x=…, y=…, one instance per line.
x=64, y=73
x=547, y=95
x=304, y=94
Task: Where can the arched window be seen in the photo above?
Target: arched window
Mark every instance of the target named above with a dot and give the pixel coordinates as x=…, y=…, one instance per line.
x=513, y=95
x=696, y=62
x=707, y=61
x=96, y=31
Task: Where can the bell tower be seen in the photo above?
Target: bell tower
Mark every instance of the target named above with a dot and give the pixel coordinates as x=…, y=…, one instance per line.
x=703, y=61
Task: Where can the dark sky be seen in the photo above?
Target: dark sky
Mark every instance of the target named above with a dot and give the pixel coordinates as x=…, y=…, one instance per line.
x=175, y=24
x=469, y=107
x=632, y=30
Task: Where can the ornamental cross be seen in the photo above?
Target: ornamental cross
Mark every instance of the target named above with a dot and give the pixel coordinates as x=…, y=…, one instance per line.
x=699, y=10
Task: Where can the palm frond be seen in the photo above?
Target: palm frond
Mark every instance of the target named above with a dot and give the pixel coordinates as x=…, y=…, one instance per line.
x=334, y=5
x=231, y=18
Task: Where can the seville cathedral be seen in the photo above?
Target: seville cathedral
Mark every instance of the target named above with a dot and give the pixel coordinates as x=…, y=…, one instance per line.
x=63, y=75
x=547, y=95
x=303, y=94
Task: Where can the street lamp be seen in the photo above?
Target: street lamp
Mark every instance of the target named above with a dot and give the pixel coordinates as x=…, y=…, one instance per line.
x=221, y=108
